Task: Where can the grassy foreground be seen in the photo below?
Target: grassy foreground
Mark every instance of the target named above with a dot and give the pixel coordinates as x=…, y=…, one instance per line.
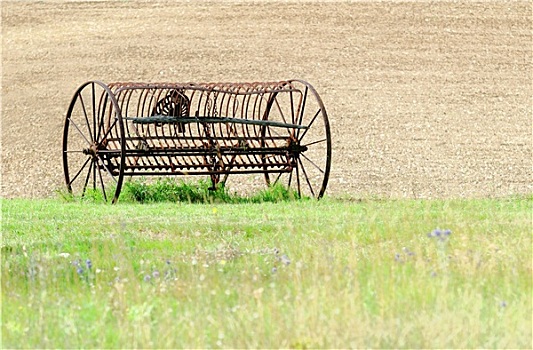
x=299, y=274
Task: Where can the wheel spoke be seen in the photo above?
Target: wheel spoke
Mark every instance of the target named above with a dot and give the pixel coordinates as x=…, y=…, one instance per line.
x=101, y=121
x=298, y=180
x=110, y=128
x=86, y=116
x=107, y=170
x=281, y=114
x=314, y=142
x=311, y=123
x=302, y=111
x=79, y=172
x=94, y=175
x=71, y=121
x=94, y=112
x=87, y=179
x=310, y=161
x=277, y=178
x=102, y=183
x=306, y=177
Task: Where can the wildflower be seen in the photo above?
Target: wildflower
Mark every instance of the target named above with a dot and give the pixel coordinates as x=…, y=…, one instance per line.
x=439, y=234
x=170, y=273
x=503, y=304
x=285, y=260
x=155, y=274
x=274, y=269
x=147, y=278
x=434, y=233
x=79, y=270
x=408, y=252
x=89, y=263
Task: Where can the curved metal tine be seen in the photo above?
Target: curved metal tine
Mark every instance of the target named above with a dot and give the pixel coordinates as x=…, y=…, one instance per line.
x=293, y=121
x=306, y=177
x=87, y=179
x=86, y=117
x=314, y=142
x=123, y=97
x=311, y=123
x=310, y=161
x=302, y=111
x=102, y=115
x=79, y=171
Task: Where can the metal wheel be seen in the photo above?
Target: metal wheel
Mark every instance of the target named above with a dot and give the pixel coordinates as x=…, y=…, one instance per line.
x=93, y=143
x=310, y=147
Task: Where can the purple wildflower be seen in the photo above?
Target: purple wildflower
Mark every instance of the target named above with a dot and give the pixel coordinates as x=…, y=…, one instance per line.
x=439, y=234
x=285, y=259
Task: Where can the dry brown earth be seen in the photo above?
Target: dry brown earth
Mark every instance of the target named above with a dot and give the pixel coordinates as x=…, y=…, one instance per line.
x=426, y=99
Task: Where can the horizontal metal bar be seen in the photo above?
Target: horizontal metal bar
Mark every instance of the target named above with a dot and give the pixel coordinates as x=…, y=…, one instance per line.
x=184, y=120
x=204, y=151
x=184, y=152
x=121, y=86
x=199, y=138
x=195, y=172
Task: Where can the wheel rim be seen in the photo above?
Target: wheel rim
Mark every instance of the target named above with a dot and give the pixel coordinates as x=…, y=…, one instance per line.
x=311, y=147
x=93, y=143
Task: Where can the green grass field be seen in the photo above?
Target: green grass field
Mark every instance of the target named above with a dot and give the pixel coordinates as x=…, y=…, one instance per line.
x=299, y=274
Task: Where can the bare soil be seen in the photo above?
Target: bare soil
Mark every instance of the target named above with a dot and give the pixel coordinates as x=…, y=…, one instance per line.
x=425, y=99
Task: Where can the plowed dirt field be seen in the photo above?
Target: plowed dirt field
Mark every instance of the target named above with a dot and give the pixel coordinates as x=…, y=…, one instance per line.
x=425, y=99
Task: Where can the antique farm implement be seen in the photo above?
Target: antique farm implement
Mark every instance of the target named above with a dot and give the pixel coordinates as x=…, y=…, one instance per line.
x=279, y=130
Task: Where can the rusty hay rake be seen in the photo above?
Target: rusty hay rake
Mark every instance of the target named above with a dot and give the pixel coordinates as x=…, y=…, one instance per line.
x=279, y=130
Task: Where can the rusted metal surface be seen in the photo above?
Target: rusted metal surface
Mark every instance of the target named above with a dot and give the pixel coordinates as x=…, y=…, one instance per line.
x=278, y=129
